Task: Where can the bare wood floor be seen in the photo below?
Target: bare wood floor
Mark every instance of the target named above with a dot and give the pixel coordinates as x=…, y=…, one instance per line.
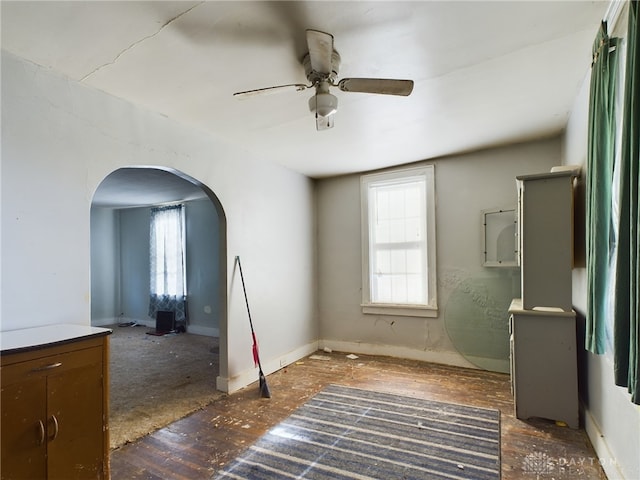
x=197, y=446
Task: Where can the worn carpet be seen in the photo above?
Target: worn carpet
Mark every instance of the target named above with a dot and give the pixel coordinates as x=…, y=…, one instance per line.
x=155, y=381
x=348, y=433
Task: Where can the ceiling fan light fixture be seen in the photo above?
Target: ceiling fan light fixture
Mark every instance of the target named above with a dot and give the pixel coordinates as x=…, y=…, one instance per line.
x=321, y=66
x=323, y=104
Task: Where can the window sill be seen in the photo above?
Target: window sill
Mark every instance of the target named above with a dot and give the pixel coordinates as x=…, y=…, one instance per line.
x=399, y=310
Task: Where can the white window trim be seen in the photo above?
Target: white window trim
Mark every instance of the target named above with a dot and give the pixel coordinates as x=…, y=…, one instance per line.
x=431, y=308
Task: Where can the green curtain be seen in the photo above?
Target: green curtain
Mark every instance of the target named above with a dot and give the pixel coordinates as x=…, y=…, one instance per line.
x=627, y=286
x=600, y=162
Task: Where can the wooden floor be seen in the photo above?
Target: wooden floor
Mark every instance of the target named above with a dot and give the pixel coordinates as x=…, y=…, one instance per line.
x=197, y=446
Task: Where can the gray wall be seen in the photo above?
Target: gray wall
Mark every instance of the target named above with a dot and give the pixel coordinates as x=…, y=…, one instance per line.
x=134, y=263
x=127, y=278
x=203, y=267
x=471, y=326
x=105, y=265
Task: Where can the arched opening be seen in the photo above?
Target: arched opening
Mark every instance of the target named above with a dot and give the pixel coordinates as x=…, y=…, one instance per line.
x=157, y=379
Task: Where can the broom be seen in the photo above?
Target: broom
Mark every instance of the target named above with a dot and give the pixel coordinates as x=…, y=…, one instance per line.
x=264, y=389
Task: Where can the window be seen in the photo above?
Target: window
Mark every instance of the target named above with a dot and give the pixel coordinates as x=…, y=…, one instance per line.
x=167, y=251
x=167, y=261
x=398, y=236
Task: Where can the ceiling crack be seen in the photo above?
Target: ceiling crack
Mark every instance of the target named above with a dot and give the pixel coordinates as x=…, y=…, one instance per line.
x=137, y=42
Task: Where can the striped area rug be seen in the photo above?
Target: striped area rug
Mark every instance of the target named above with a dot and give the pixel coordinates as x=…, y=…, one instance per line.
x=348, y=433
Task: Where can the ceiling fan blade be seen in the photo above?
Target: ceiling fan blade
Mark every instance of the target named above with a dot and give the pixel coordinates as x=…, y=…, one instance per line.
x=320, y=50
x=376, y=85
x=269, y=90
x=324, y=123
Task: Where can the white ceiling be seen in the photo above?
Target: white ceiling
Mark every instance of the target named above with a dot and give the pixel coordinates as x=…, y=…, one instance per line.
x=486, y=73
x=138, y=187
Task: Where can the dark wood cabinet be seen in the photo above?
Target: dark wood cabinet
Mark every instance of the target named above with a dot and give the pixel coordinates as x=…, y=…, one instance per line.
x=55, y=409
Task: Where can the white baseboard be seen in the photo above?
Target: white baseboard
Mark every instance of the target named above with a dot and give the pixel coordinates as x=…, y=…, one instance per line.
x=222, y=384
x=200, y=330
x=601, y=448
x=247, y=377
x=102, y=322
x=445, y=358
x=149, y=322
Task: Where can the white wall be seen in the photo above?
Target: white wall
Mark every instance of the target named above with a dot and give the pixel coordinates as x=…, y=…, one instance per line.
x=465, y=185
x=60, y=139
x=611, y=420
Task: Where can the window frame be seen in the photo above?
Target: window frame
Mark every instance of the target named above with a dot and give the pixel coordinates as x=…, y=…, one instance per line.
x=429, y=309
x=182, y=245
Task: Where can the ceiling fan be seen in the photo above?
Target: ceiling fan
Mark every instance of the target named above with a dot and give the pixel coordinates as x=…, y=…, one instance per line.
x=321, y=66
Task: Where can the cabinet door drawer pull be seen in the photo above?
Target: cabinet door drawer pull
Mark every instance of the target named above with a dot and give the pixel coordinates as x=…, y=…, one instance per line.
x=47, y=367
x=41, y=426
x=54, y=420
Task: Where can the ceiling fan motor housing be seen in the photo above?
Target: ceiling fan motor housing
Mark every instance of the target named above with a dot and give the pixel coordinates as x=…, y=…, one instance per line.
x=314, y=77
x=323, y=104
x=321, y=65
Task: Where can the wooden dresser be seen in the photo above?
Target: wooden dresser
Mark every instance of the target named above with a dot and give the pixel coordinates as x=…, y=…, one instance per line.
x=54, y=403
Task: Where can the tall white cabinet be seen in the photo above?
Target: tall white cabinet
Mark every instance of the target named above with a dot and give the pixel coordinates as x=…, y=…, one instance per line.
x=542, y=323
x=545, y=227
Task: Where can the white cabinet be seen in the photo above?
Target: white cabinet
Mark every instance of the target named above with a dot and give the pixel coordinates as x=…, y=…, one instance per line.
x=545, y=223
x=544, y=372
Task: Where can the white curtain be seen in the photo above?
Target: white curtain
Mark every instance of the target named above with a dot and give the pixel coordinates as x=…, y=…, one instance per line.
x=167, y=258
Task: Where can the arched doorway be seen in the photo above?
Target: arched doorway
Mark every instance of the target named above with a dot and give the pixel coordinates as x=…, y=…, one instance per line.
x=156, y=380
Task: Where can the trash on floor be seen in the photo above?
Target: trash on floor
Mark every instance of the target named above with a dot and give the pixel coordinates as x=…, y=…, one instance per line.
x=319, y=357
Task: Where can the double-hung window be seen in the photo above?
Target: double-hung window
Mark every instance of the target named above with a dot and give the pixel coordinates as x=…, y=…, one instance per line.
x=398, y=236
x=167, y=260
x=167, y=251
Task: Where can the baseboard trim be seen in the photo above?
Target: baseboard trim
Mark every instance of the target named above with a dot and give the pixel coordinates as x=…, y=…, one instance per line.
x=149, y=322
x=605, y=457
x=206, y=331
x=441, y=357
x=101, y=322
x=247, y=377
